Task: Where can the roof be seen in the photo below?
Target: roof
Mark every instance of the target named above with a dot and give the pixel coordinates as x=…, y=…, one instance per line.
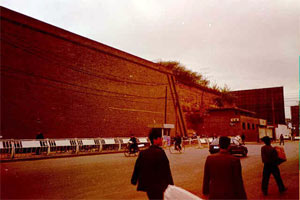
x=231, y=108
x=255, y=90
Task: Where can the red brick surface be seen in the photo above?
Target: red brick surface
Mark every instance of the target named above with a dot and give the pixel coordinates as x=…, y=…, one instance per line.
x=68, y=86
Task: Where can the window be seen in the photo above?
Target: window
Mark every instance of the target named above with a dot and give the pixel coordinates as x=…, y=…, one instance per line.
x=253, y=127
x=244, y=126
x=248, y=126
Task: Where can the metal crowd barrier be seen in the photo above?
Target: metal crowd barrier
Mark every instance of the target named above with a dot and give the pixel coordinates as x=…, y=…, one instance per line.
x=143, y=142
x=199, y=142
x=6, y=149
x=89, y=145
x=14, y=149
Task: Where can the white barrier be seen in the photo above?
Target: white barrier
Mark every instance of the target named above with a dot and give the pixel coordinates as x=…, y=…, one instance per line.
x=111, y=144
x=109, y=141
x=203, y=141
x=88, y=142
x=143, y=140
x=6, y=149
x=125, y=140
x=30, y=144
x=62, y=143
x=24, y=148
x=88, y=145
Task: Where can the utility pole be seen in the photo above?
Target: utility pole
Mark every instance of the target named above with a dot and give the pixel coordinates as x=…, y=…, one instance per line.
x=166, y=104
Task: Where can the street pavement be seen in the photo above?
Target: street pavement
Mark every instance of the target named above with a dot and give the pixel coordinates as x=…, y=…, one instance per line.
x=108, y=176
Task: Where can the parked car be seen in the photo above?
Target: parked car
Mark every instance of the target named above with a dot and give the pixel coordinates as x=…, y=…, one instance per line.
x=235, y=147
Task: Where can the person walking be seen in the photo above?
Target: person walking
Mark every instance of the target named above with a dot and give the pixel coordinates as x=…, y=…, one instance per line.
x=281, y=140
x=223, y=174
x=133, y=146
x=269, y=158
x=177, y=140
x=152, y=170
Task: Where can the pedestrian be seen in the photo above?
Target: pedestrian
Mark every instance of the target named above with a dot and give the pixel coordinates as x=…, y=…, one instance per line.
x=39, y=136
x=281, y=140
x=133, y=146
x=269, y=158
x=152, y=171
x=178, y=141
x=243, y=137
x=223, y=174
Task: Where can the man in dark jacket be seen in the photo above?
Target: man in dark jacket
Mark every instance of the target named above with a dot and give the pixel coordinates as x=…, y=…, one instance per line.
x=223, y=174
x=269, y=158
x=152, y=171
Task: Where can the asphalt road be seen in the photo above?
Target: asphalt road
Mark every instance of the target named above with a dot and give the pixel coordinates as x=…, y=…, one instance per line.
x=108, y=176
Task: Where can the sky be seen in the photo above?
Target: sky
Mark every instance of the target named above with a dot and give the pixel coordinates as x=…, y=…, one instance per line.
x=243, y=44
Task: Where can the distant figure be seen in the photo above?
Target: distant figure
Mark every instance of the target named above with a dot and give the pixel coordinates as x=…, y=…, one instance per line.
x=133, y=144
x=177, y=140
x=223, y=174
x=269, y=157
x=243, y=137
x=281, y=140
x=40, y=136
x=152, y=171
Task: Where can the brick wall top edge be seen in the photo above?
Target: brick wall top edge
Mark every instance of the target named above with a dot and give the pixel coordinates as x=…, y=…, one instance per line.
x=29, y=22
x=230, y=109
x=261, y=89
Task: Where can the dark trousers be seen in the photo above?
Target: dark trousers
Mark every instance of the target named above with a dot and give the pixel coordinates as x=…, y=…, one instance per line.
x=177, y=146
x=154, y=195
x=268, y=170
x=281, y=141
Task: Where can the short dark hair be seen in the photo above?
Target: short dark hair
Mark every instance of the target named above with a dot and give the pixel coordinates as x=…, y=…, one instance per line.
x=266, y=140
x=224, y=142
x=154, y=134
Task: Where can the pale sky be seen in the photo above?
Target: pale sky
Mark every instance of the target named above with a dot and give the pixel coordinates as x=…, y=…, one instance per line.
x=245, y=44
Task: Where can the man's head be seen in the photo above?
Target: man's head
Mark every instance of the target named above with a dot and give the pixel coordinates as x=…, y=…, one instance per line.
x=155, y=136
x=224, y=142
x=266, y=140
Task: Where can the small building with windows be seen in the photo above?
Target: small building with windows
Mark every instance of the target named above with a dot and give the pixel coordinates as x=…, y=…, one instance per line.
x=232, y=122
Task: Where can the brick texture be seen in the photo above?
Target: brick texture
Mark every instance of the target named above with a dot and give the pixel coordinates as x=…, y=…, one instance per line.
x=66, y=85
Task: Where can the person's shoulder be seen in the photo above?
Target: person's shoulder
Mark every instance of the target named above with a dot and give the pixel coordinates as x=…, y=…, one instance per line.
x=213, y=156
x=154, y=148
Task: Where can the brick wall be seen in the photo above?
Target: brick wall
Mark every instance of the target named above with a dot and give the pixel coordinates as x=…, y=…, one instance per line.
x=66, y=85
x=195, y=102
x=220, y=124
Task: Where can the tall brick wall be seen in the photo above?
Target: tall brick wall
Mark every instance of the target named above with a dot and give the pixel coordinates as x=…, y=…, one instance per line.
x=68, y=86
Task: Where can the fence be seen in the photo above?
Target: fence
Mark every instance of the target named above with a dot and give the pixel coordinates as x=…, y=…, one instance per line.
x=18, y=149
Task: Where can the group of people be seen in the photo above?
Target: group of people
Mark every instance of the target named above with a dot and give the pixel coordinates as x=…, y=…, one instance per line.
x=152, y=172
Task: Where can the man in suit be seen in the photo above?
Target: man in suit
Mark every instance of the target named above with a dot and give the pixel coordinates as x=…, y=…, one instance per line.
x=152, y=171
x=269, y=158
x=223, y=174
